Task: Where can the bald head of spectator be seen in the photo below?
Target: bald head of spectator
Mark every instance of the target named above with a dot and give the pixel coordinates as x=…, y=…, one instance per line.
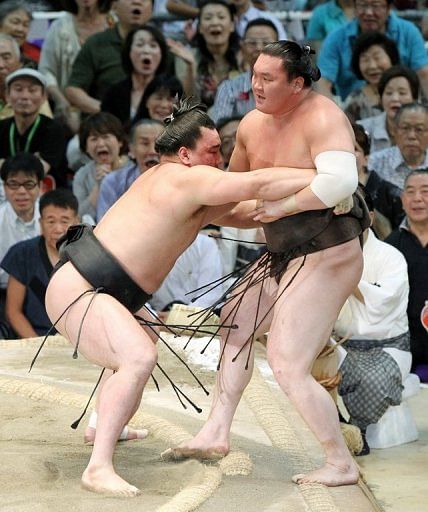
x=415, y=198
x=9, y=59
x=411, y=133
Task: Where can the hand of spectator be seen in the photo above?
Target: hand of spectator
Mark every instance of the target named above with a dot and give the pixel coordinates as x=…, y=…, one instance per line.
x=102, y=170
x=189, y=29
x=61, y=106
x=181, y=51
x=46, y=165
x=66, y=114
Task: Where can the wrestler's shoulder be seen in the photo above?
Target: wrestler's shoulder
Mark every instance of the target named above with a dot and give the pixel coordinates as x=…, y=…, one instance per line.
x=321, y=112
x=253, y=116
x=251, y=119
x=318, y=104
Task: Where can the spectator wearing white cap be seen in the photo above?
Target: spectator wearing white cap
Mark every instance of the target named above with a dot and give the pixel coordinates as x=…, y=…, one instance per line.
x=28, y=130
x=10, y=61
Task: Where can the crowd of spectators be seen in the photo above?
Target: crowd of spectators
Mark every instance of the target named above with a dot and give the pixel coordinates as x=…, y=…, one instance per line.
x=81, y=109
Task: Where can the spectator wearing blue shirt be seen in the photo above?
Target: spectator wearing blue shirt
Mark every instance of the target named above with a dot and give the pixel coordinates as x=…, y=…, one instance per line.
x=142, y=150
x=29, y=264
x=328, y=17
x=336, y=52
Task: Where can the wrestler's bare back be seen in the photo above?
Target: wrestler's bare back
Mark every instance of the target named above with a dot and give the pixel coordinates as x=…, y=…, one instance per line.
x=153, y=223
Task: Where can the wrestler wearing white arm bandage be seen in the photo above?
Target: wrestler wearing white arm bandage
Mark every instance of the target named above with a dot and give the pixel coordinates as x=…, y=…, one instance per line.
x=337, y=176
x=334, y=184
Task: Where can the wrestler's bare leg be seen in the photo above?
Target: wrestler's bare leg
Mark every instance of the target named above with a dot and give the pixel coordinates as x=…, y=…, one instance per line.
x=303, y=320
x=128, y=433
x=111, y=338
x=213, y=440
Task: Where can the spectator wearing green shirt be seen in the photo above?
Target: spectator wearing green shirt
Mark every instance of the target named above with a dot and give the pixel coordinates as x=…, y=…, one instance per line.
x=98, y=65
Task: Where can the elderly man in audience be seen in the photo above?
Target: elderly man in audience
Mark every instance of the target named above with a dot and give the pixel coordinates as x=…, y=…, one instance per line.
x=19, y=214
x=98, y=65
x=28, y=130
x=377, y=354
x=335, y=55
x=142, y=150
x=235, y=97
x=10, y=62
x=390, y=167
x=411, y=238
x=30, y=263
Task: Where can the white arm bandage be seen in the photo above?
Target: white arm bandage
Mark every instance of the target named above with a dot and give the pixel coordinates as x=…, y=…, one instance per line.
x=337, y=176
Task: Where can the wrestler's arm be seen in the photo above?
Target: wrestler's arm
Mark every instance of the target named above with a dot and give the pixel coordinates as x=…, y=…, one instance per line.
x=239, y=216
x=212, y=187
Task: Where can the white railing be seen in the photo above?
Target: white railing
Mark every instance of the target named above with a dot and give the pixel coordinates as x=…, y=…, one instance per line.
x=41, y=19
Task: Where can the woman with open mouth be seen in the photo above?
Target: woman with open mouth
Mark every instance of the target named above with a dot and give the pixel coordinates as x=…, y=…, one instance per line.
x=64, y=39
x=145, y=54
x=215, y=50
x=398, y=86
x=103, y=139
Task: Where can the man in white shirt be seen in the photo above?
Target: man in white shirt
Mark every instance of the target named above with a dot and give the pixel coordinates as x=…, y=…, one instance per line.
x=19, y=214
x=378, y=355
x=198, y=265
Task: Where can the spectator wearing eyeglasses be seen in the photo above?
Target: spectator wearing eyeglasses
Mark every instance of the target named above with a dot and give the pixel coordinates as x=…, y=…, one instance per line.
x=390, y=167
x=375, y=15
x=30, y=263
x=235, y=97
x=19, y=214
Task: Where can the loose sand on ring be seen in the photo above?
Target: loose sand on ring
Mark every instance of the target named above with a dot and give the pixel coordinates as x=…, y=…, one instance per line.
x=43, y=458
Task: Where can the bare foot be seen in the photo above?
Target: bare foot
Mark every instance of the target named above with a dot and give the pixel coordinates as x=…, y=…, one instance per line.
x=106, y=481
x=127, y=434
x=330, y=475
x=181, y=453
